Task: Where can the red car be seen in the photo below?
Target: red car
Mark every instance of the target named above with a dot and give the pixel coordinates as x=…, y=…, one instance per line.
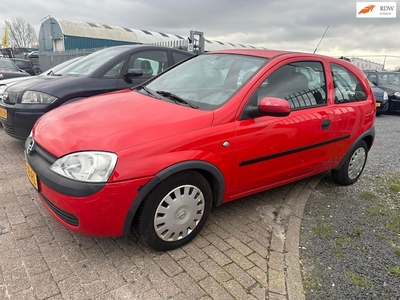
x=215, y=128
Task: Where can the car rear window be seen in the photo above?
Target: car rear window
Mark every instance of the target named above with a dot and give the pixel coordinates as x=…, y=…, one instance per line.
x=347, y=87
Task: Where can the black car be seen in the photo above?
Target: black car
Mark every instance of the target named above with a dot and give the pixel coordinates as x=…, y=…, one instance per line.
x=390, y=83
x=8, y=69
x=25, y=65
x=103, y=71
x=381, y=99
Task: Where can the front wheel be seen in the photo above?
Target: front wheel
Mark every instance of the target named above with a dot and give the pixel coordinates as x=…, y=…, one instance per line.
x=175, y=211
x=353, y=166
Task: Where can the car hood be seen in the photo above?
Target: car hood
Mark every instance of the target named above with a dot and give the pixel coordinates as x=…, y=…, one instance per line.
x=47, y=84
x=5, y=74
x=15, y=80
x=115, y=121
x=390, y=88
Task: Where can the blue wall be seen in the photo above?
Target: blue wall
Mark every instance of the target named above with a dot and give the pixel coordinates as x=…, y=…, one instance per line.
x=78, y=42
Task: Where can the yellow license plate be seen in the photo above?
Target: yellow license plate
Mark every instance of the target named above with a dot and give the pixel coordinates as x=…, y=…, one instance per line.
x=378, y=104
x=3, y=113
x=32, y=176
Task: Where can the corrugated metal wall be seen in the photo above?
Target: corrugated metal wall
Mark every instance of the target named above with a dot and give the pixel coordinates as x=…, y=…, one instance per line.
x=78, y=42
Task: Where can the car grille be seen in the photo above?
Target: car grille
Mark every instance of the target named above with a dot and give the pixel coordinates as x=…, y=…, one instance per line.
x=66, y=217
x=16, y=133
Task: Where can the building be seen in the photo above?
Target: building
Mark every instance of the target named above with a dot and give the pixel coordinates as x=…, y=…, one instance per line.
x=64, y=35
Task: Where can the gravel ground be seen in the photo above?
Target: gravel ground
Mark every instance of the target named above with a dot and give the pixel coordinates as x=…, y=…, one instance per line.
x=346, y=248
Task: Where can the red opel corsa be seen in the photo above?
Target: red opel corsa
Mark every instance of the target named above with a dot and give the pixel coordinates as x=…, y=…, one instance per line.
x=215, y=128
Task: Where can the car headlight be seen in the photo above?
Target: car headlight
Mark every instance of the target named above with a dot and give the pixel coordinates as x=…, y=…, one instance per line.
x=2, y=88
x=32, y=97
x=397, y=94
x=88, y=166
x=385, y=96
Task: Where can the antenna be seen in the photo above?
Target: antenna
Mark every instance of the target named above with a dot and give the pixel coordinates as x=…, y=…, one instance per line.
x=321, y=39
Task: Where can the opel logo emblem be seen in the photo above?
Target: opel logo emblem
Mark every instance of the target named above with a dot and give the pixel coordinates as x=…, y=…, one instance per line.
x=29, y=150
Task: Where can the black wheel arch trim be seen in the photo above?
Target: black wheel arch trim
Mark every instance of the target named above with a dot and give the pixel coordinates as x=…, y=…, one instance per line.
x=179, y=167
x=368, y=136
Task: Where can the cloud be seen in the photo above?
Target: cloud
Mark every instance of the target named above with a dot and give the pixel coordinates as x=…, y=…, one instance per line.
x=280, y=24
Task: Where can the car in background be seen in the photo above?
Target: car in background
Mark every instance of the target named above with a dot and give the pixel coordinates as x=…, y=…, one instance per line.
x=381, y=98
x=103, y=71
x=25, y=65
x=5, y=83
x=389, y=82
x=33, y=54
x=159, y=156
x=8, y=69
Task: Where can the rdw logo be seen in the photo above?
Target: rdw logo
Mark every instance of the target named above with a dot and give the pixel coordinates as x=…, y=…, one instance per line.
x=367, y=9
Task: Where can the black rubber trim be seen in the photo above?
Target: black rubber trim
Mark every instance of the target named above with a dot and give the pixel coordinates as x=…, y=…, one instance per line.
x=63, y=215
x=187, y=165
x=368, y=134
x=40, y=161
x=264, y=158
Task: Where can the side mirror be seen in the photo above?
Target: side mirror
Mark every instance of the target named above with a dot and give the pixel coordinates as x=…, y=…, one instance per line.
x=133, y=73
x=271, y=106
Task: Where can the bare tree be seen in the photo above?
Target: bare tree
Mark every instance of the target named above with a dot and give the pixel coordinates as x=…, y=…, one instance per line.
x=21, y=33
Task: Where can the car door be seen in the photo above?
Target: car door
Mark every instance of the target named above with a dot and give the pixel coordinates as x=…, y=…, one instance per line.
x=273, y=150
x=351, y=106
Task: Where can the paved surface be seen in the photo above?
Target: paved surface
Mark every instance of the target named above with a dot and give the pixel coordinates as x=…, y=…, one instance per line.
x=247, y=250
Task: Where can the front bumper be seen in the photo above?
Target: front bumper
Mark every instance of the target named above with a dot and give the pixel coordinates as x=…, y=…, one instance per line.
x=89, y=209
x=382, y=106
x=18, y=119
x=394, y=104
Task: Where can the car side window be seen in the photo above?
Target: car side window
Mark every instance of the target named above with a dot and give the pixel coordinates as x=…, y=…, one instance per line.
x=372, y=78
x=178, y=56
x=347, y=87
x=301, y=83
x=115, y=71
x=150, y=62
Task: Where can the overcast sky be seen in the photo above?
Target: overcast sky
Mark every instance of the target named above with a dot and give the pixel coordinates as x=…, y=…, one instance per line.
x=275, y=24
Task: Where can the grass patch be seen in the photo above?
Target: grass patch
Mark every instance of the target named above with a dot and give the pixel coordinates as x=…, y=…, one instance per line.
x=369, y=196
x=395, y=270
x=342, y=240
x=326, y=230
x=393, y=224
x=396, y=249
x=394, y=184
x=361, y=249
x=357, y=280
x=339, y=254
x=381, y=235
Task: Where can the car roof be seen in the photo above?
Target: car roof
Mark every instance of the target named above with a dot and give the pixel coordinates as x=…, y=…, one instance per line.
x=275, y=53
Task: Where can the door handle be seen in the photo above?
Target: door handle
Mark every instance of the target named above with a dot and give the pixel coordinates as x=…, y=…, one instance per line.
x=326, y=124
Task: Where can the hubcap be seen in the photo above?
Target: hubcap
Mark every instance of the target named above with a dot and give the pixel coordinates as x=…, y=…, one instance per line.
x=356, y=164
x=179, y=213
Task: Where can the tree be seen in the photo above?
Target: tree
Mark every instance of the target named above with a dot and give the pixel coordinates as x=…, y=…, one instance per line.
x=21, y=34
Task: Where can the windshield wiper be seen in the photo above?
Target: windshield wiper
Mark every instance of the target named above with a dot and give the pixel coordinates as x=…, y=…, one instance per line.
x=176, y=98
x=51, y=73
x=148, y=91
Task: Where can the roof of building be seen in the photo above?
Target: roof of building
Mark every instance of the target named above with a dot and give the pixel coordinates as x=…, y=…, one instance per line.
x=104, y=31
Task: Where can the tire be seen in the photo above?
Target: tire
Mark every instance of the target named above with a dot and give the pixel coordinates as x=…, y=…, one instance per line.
x=175, y=211
x=352, y=168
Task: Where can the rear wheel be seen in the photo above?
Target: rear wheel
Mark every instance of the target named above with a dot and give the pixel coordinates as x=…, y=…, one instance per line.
x=353, y=166
x=175, y=211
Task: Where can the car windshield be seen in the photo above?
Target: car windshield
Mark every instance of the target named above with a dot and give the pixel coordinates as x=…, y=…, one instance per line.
x=208, y=80
x=57, y=68
x=390, y=78
x=7, y=64
x=90, y=63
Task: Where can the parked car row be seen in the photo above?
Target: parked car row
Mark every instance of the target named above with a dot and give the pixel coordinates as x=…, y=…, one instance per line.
x=103, y=71
x=8, y=69
x=157, y=152
x=386, y=86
